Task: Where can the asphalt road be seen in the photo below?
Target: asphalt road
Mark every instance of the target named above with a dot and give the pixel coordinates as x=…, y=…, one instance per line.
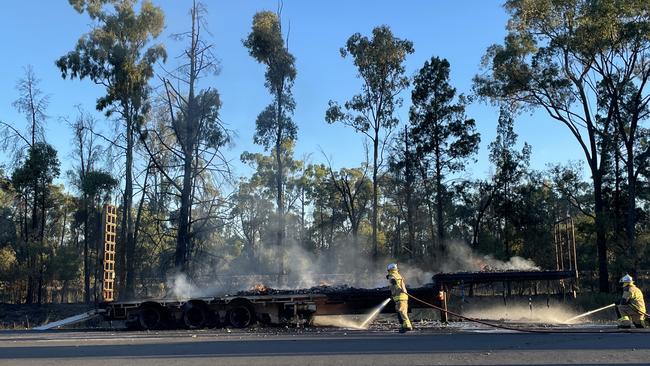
x=320, y=347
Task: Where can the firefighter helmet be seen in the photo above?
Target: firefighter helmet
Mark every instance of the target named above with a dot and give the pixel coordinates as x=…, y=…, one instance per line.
x=626, y=280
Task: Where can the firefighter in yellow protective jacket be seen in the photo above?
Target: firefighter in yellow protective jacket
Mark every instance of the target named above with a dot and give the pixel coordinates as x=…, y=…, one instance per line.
x=631, y=308
x=399, y=295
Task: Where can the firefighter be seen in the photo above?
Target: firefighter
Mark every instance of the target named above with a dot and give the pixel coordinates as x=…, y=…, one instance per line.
x=399, y=295
x=631, y=308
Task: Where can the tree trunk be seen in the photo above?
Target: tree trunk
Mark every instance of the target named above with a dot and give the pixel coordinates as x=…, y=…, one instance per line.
x=30, y=243
x=64, y=291
x=410, y=209
x=479, y=216
x=40, y=280
x=41, y=234
x=432, y=226
x=601, y=243
x=138, y=216
x=99, y=249
x=279, y=186
x=398, y=239
x=375, y=170
x=302, y=215
x=618, y=213
x=86, y=259
x=188, y=142
x=439, y=205
x=183, y=235
x=630, y=217
x=321, y=238
x=128, y=217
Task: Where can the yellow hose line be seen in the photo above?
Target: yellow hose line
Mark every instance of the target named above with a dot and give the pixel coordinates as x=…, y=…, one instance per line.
x=475, y=320
x=523, y=330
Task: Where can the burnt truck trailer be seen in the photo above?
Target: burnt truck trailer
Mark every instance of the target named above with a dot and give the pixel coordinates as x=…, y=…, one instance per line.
x=246, y=308
x=271, y=306
x=239, y=310
x=293, y=306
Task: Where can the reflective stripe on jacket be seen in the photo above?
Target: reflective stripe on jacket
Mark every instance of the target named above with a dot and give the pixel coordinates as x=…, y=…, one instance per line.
x=397, y=290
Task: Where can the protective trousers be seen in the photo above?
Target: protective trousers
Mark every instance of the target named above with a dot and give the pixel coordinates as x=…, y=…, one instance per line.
x=402, y=308
x=632, y=314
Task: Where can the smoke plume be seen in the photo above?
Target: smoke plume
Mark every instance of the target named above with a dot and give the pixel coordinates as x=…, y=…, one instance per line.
x=460, y=258
x=342, y=265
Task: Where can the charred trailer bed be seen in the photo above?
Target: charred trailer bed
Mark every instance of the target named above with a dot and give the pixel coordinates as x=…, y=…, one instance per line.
x=446, y=281
x=246, y=308
x=236, y=311
x=451, y=279
x=297, y=306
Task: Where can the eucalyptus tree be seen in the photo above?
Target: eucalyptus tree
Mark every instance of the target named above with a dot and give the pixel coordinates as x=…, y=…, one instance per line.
x=354, y=189
x=193, y=122
x=92, y=183
x=565, y=57
x=264, y=178
x=33, y=104
x=403, y=176
x=510, y=167
x=444, y=137
x=32, y=180
x=117, y=55
x=627, y=98
x=274, y=125
x=252, y=212
x=320, y=195
x=379, y=62
x=32, y=160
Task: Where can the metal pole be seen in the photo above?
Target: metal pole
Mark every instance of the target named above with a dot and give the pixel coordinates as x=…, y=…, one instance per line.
x=565, y=241
x=575, y=256
x=561, y=245
x=557, y=251
x=443, y=303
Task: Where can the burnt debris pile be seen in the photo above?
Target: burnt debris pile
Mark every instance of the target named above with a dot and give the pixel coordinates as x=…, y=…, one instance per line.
x=315, y=290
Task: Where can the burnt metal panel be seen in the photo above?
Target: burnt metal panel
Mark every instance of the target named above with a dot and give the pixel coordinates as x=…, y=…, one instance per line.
x=503, y=276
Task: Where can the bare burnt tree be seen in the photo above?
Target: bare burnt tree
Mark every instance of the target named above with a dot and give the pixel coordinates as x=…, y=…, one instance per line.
x=193, y=134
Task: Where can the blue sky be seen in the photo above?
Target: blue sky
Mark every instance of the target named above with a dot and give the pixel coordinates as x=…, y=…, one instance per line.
x=38, y=32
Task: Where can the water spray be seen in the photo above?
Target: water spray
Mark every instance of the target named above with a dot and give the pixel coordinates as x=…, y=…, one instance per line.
x=374, y=313
x=589, y=313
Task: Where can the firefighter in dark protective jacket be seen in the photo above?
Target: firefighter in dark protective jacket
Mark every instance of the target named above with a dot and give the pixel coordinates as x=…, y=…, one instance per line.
x=399, y=295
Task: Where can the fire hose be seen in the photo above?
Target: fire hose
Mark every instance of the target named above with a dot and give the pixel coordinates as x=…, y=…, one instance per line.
x=505, y=327
x=639, y=311
x=476, y=320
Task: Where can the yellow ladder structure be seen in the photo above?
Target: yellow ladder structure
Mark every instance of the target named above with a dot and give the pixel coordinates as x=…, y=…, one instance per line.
x=109, y=218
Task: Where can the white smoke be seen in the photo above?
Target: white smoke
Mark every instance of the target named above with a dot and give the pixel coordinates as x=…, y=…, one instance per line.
x=181, y=287
x=345, y=266
x=461, y=258
x=342, y=265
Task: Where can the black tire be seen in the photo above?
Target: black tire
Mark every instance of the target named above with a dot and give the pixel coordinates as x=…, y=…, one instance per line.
x=151, y=317
x=195, y=315
x=241, y=314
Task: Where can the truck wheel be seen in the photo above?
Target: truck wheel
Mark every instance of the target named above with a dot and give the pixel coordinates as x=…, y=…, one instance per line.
x=241, y=314
x=151, y=317
x=195, y=315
